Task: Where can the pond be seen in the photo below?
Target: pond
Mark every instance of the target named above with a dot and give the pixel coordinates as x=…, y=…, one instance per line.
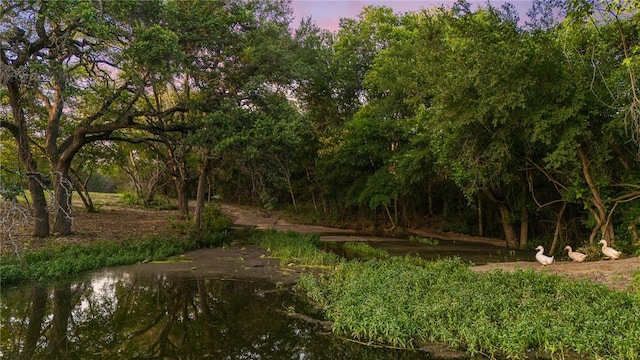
x=118, y=313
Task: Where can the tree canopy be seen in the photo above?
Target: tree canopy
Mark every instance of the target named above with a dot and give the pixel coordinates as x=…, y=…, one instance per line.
x=476, y=121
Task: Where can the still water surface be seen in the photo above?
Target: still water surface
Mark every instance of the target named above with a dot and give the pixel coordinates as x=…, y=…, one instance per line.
x=120, y=313
x=111, y=314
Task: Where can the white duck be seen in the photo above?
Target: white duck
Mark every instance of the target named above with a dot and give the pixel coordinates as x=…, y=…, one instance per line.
x=542, y=258
x=575, y=256
x=611, y=253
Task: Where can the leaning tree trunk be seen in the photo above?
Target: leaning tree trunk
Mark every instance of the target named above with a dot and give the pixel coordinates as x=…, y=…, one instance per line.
x=597, y=206
x=510, y=235
x=35, y=182
x=556, y=233
x=83, y=192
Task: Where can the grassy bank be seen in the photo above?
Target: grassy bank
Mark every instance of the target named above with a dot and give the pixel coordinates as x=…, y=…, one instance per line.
x=64, y=260
x=404, y=302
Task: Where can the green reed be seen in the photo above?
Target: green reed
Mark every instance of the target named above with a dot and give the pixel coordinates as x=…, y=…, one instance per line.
x=399, y=302
x=295, y=248
x=362, y=250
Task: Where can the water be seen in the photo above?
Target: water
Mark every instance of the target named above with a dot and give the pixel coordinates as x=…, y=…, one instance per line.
x=477, y=254
x=116, y=314
x=128, y=313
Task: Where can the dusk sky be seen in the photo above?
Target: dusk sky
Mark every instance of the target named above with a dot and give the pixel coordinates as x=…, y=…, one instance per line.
x=327, y=13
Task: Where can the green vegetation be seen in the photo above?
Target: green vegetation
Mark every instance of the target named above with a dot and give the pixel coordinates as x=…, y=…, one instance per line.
x=64, y=260
x=395, y=118
x=297, y=249
x=421, y=240
x=401, y=302
x=364, y=251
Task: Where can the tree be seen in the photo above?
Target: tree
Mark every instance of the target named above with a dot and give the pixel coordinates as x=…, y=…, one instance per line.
x=479, y=67
x=67, y=55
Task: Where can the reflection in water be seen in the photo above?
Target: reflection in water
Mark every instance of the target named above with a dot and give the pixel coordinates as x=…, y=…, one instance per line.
x=113, y=315
x=477, y=254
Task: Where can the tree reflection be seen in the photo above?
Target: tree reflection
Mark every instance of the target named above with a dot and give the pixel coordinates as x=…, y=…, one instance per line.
x=155, y=316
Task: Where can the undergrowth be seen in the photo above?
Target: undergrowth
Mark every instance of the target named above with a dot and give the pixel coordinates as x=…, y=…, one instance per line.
x=64, y=260
x=404, y=302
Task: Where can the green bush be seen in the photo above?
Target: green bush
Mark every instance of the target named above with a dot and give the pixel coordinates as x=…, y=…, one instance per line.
x=214, y=220
x=131, y=199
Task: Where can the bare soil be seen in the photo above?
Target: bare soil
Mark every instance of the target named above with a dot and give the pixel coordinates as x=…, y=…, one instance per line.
x=116, y=223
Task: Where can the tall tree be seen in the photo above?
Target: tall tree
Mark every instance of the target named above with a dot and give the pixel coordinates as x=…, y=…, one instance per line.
x=480, y=67
x=68, y=56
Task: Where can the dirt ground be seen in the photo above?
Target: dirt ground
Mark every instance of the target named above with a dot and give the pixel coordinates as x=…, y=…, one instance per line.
x=114, y=223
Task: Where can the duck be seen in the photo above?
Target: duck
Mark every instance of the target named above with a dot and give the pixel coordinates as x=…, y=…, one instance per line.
x=575, y=256
x=611, y=253
x=542, y=258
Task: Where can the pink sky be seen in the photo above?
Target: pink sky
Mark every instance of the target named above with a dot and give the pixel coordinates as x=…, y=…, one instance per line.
x=327, y=13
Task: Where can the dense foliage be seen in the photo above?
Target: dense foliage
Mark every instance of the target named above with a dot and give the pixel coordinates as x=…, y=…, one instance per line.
x=475, y=120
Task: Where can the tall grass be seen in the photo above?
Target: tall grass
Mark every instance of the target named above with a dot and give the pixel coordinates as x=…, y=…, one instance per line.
x=295, y=248
x=402, y=303
x=363, y=251
x=64, y=260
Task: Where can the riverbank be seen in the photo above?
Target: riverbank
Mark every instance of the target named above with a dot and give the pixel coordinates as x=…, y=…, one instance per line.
x=116, y=222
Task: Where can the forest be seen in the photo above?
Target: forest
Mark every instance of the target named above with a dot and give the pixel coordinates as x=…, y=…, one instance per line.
x=522, y=127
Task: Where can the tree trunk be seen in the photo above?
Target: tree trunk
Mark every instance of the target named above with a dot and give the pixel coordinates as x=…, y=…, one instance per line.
x=202, y=180
x=600, y=211
x=35, y=181
x=63, y=190
x=524, y=225
x=287, y=176
x=633, y=229
x=506, y=219
x=39, y=204
x=556, y=233
x=507, y=227
x=391, y=219
x=480, y=217
x=83, y=193
x=183, y=199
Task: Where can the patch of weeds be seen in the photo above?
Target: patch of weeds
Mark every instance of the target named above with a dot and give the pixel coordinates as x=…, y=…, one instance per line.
x=295, y=248
x=362, y=250
x=213, y=219
x=65, y=260
x=421, y=240
x=130, y=199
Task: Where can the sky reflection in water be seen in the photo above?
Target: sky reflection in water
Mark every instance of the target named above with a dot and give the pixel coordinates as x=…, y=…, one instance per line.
x=115, y=315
